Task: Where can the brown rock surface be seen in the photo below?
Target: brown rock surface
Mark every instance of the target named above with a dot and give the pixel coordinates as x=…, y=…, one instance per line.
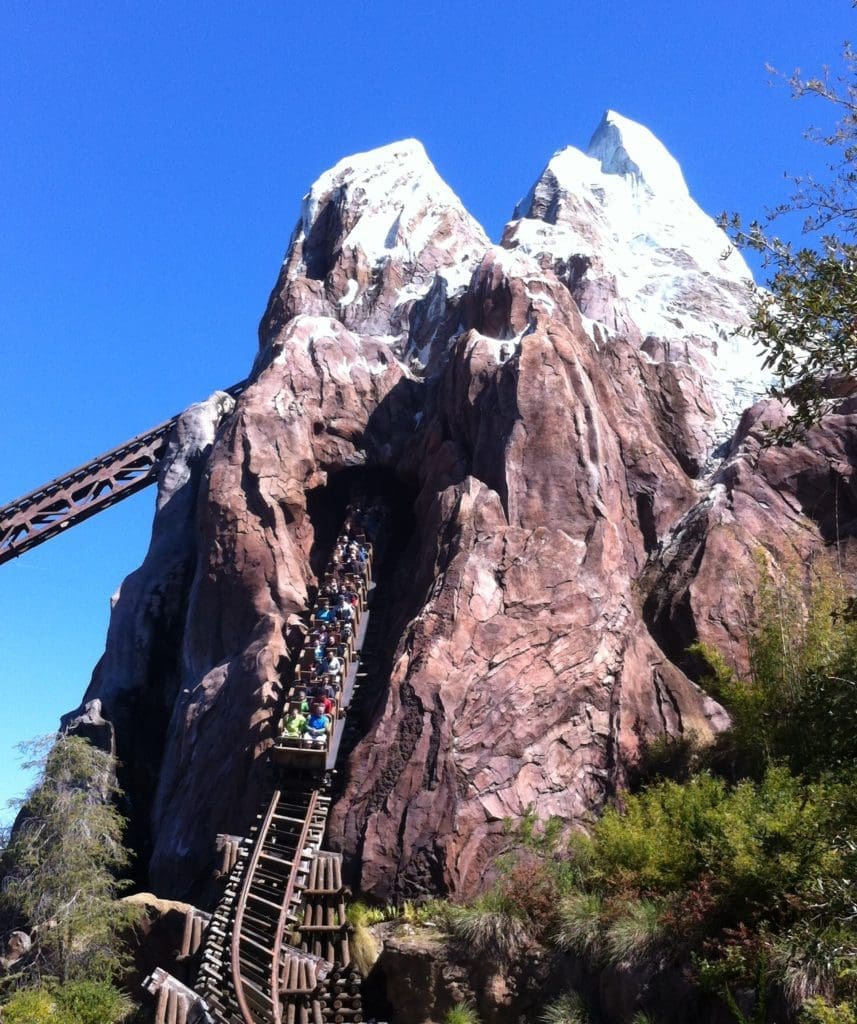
x=155, y=939
x=527, y=678
x=789, y=505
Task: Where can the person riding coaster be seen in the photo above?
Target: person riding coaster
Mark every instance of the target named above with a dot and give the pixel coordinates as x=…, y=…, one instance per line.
x=317, y=727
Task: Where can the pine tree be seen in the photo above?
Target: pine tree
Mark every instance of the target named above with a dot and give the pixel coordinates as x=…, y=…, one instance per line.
x=60, y=866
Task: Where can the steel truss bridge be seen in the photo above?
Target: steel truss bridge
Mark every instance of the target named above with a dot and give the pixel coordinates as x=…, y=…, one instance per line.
x=96, y=485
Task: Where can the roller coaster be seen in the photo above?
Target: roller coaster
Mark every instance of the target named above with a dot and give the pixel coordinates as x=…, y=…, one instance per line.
x=276, y=948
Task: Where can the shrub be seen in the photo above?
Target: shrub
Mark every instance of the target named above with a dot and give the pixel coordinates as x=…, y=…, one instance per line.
x=818, y=1011
x=579, y=929
x=808, y=962
x=491, y=926
x=30, y=1006
x=360, y=914
x=462, y=1013
x=363, y=948
x=636, y=934
x=567, y=1009
x=428, y=913
x=535, y=887
x=799, y=701
x=92, y=1002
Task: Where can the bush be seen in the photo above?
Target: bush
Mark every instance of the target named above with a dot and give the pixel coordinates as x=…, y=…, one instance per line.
x=579, y=929
x=800, y=699
x=636, y=934
x=491, y=926
x=76, y=1002
x=425, y=914
x=568, y=1009
x=462, y=1013
x=30, y=1006
x=360, y=914
x=817, y=1011
x=92, y=1002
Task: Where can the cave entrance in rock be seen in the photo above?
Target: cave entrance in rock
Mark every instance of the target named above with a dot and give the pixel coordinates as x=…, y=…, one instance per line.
x=395, y=598
x=359, y=485
x=398, y=596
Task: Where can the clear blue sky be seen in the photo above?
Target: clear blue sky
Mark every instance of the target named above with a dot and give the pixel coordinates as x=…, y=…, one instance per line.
x=152, y=163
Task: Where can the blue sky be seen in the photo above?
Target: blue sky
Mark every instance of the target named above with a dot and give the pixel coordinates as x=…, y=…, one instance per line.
x=153, y=160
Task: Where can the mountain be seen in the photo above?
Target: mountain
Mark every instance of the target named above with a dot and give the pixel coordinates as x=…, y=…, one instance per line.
x=563, y=428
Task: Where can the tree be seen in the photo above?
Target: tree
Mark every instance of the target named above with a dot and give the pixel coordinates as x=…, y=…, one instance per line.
x=60, y=866
x=806, y=322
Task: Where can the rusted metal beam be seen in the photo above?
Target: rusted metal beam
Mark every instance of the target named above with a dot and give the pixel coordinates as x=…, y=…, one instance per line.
x=91, y=488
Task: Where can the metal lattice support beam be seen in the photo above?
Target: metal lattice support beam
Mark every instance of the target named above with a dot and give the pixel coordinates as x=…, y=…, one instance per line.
x=92, y=487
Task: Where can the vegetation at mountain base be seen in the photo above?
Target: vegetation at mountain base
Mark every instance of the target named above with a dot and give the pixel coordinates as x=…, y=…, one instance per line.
x=463, y=1013
x=75, y=1002
x=806, y=320
x=60, y=870
x=739, y=867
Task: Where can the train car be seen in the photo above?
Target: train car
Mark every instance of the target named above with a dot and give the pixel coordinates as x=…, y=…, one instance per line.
x=326, y=668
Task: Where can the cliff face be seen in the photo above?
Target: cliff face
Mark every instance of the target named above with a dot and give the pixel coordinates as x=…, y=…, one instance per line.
x=549, y=418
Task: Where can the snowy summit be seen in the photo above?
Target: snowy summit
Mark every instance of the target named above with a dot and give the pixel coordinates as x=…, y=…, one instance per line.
x=655, y=262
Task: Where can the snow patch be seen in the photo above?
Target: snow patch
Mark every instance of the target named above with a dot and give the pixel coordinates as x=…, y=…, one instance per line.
x=629, y=149
x=350, y=293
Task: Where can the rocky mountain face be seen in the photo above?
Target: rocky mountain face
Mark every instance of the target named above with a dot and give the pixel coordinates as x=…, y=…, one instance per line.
x=554, y=423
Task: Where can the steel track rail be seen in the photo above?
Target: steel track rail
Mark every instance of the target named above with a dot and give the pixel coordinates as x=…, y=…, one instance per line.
x=76, y=496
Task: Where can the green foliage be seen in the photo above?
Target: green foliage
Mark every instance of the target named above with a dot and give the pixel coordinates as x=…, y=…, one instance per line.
x=76, y=1002
x=360, y=914
x=818, y=1011
x=462, y=1013
x=60, y=865
x=364, y=948
x=757, y=875
x=805, y=323
x=567, y=1009
x=580, y=928
x=492, y=926
x=636, y=934
x=800, y=699
x=92, y=1002
x=30, y=1006
x=668, y=757
x=426, y=913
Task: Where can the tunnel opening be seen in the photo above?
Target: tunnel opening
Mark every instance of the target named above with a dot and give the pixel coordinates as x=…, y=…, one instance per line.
x=397, y=597
x=359, y=486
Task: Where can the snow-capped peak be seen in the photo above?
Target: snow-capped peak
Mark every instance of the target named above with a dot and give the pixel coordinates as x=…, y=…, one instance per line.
x=381, y=238
x=391, y=200
x=629, y=149
x=641, y=257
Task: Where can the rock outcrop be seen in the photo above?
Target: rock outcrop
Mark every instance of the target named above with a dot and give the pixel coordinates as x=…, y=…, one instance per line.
x=544, y=416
